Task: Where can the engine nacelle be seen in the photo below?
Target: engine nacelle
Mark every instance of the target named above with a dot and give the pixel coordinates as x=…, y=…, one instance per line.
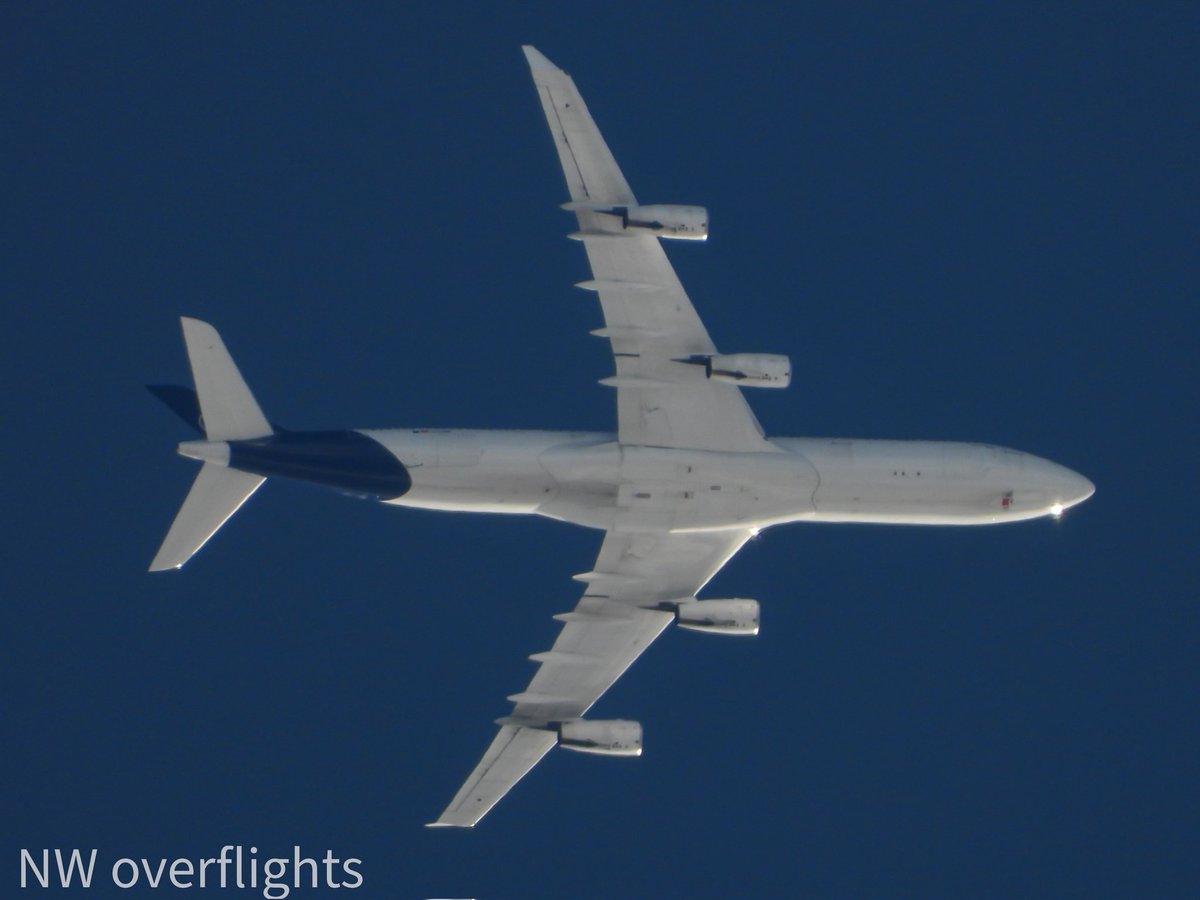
x=615, y=737
x=719, y=616
x=767, y=370
x=688, y=223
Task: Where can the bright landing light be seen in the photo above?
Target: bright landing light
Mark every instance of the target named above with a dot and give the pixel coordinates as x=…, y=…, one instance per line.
x=1056, y=510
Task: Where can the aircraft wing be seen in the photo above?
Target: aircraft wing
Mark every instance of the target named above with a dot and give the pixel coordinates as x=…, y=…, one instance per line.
x=613, y=623
x=648, y=316
x=641, y=573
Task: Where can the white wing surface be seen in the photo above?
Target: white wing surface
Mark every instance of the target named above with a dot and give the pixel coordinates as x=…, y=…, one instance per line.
x=648, y=316
x=613, y=623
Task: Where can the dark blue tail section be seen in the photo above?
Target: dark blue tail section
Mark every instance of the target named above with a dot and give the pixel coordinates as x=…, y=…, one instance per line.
x=347, y=461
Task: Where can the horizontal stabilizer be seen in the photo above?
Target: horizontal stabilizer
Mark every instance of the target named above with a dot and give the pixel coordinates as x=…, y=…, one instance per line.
x=216, y=494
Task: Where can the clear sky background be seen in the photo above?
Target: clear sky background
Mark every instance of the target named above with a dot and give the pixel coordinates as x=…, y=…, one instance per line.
x=963, y=221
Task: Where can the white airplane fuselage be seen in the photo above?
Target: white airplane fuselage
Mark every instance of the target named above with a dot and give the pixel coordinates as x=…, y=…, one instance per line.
x=589, y=479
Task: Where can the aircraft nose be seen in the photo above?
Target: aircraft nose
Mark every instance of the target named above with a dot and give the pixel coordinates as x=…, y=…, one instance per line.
x=1073, y=488
x=1085, y=488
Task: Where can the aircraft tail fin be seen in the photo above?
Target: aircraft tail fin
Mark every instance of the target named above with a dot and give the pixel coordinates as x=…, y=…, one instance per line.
x=228, y=412
x=228, y=409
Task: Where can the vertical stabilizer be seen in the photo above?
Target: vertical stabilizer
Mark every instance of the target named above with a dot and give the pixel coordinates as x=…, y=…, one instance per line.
x=229, y=409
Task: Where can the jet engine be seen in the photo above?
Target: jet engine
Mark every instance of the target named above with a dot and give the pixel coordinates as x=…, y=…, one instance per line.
x=719, y=616
x=615, y=737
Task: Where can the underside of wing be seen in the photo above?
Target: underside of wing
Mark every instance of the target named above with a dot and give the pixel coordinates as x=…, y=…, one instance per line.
x=514, y=752
x=664, y=397
x=592, y=174
x=665, y=394
x=630, y=598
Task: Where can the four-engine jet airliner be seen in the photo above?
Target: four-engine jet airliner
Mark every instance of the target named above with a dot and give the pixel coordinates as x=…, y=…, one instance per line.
x=686, y=480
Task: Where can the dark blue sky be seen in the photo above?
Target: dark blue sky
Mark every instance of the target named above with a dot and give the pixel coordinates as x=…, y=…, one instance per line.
x=962, y=222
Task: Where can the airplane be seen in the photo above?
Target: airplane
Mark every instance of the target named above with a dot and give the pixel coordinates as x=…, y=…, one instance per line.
x=687, y=479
